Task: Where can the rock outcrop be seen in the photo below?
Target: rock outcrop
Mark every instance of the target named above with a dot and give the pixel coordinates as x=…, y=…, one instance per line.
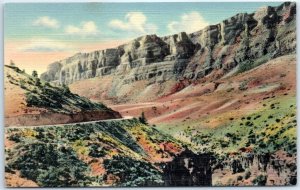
x=278, y=168
x=209, y=53
x=189, y=169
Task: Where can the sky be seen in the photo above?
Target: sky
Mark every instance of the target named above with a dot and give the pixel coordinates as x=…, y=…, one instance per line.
x=37, y=34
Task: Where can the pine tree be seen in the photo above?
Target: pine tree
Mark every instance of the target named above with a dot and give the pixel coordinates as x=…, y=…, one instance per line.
x=35, y=74
x=66, y=89
x=143, y=119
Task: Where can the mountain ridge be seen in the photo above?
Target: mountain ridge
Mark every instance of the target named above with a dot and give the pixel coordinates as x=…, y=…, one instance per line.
x=216, y=49
x=40, y=103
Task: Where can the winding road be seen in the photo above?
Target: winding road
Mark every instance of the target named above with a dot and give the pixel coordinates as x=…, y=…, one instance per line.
x=66, y=124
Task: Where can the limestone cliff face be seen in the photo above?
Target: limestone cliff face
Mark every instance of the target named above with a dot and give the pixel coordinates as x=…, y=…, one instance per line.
x=82, y=66
x=212, y=52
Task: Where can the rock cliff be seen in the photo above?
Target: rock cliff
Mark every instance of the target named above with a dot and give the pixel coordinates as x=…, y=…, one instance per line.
x=189, y=169
x=240, y=42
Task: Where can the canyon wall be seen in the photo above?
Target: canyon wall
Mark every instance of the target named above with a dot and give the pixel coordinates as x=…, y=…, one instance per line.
x=214, y=51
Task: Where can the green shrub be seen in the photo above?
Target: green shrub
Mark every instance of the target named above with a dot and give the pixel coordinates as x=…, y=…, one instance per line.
x=15, y=137
x=22, y=83
x=262, y=144
x=260, y=180
x=34, y=74
x=32, y=100
x=243, y=86
x=65, y=89
x=245, y=66
x=50, y=165
x=249, y=123
x=96, y=151
x=250, y=64
x=37, y=82
x=133, y=172
x=143, y=119
x=247, y=174
x=224, y=143
x=35, y=91
x=239, y=178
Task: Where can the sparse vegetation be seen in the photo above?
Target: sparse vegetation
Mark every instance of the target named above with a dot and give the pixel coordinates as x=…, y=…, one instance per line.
x=96, y=151
x=258, y=131
x=260, y=180
x=250, y=64
x=247, y=174
x=49, y=165
x=132, y=172
x=52, y=156
x=243, y=86
x=57, y=99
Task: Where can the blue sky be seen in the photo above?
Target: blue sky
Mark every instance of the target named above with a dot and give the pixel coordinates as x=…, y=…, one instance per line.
x=36, y=34
x=19, y=18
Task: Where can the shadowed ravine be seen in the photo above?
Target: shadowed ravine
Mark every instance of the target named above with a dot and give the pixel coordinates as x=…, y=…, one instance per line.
x=189, y=169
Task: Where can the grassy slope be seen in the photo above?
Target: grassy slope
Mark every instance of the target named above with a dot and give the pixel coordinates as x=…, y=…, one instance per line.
x=266, y=130
x=260, y=104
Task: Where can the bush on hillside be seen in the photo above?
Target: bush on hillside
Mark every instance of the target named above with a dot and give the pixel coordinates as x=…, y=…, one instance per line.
x=260, y=180
x=132, y=172
x=50, y=165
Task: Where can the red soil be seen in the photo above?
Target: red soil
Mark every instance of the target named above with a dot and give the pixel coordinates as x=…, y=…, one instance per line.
x=197, y=101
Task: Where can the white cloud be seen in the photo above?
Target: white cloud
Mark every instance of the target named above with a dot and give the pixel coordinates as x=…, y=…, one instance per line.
x=45, y=45
x=47, y=22
x=134, y=22
x=189, y=22
x=87, y=28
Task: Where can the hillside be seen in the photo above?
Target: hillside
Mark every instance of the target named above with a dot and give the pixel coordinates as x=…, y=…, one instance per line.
x=210, y=104
x=107, y=153
x=31, y=101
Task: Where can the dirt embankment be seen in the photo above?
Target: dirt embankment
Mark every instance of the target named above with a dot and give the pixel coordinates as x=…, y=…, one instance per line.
x=49, y=118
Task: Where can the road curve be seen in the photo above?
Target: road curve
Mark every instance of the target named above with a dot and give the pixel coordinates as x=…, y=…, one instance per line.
x=66, y=124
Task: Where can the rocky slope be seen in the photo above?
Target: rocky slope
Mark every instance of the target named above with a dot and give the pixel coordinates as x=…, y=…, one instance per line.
x=238, y=43
x=246, y=169
x=31, y=101
x=210, y=104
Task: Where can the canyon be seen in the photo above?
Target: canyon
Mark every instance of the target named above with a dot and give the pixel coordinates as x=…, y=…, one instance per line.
x=244, y=39
x=216, y=107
